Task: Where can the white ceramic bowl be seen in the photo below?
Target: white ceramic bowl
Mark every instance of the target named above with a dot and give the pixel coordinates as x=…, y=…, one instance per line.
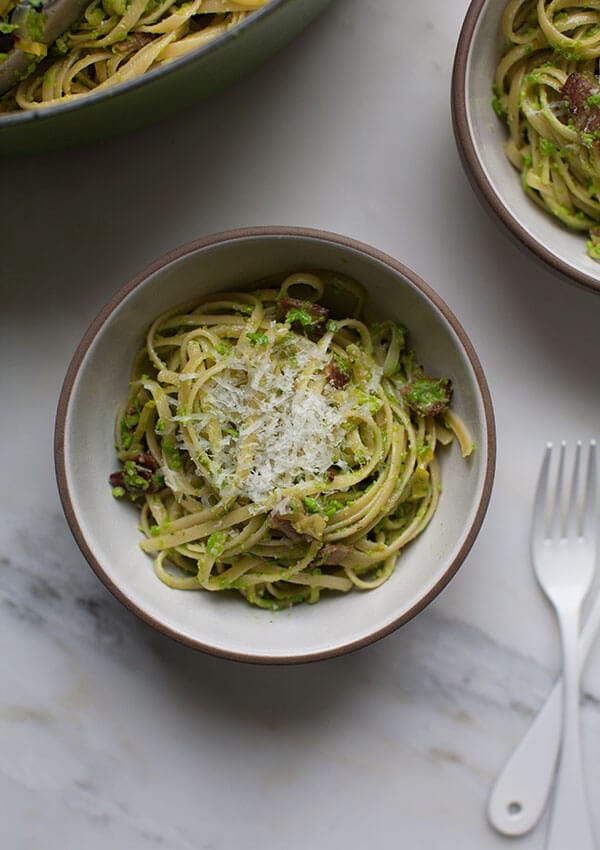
x=105, y=528
x=480, y=137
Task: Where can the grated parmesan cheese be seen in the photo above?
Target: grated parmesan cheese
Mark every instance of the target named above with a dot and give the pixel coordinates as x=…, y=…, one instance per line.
x=283, y=428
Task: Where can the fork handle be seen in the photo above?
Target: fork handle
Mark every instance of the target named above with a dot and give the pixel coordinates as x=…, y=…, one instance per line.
x=570, y=825
x=520, y=792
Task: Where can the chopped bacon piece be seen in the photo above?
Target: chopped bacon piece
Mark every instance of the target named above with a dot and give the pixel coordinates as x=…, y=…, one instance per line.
x=303, y=315
x=336, y=376
x=134, y=41
x=137, y=476
x=145, y=459
x=427, y=396
x=576, y=91
x=333, y=554
x=282, y=523
x=296, y=524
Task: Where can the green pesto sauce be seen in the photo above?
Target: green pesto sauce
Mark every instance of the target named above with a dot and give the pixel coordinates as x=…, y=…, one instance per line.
x=331, y=507
x=216, y=543
x=33, y=26
x=257, y=338
x=171, y=452
x=302, y=317
x=132, y=480
x=427, y=393
x=547, y=147
x=311, y=505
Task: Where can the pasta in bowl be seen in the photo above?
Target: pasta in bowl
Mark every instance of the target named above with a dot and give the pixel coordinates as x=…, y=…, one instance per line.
x=277, y=451
x=547, y=93
x=281, y=442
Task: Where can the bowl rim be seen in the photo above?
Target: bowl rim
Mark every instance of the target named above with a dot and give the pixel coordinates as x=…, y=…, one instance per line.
x=472, y=163
x=40, y=113
x=210, y=241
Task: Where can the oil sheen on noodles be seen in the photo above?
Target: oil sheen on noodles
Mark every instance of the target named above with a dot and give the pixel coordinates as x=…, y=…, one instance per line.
x=277, y=451
x=547, y=92
x=118, y=40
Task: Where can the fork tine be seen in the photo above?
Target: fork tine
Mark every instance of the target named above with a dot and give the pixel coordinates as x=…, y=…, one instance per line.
x=538, y=524
x=590, y=522
x=554, y=529
x=572, y=517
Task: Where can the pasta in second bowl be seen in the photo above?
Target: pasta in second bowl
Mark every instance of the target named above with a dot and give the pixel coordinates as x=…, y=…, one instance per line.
x=514, y=66
x=278, y=450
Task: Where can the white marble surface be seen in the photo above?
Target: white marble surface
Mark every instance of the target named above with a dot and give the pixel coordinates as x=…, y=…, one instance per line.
x=111, y=735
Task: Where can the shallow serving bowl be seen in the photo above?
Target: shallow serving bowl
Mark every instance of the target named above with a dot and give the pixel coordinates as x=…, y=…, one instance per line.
x=160, y=92
x=480, y=137
x=106, y=529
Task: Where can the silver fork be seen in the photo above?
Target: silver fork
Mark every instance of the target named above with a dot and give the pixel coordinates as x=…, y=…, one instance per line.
x=563, y=550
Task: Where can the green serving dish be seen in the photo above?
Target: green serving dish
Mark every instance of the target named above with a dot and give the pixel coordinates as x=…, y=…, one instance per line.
x=162, y=92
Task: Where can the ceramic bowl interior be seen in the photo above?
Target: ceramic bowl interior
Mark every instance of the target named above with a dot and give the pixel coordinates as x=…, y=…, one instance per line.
x=480, y=136
x=106, y=529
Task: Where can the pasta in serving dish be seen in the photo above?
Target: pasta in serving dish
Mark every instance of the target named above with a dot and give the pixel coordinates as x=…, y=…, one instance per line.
x=113, y=41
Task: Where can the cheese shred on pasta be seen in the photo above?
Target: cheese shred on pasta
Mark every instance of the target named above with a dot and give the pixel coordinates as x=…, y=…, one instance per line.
x=276, y=451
